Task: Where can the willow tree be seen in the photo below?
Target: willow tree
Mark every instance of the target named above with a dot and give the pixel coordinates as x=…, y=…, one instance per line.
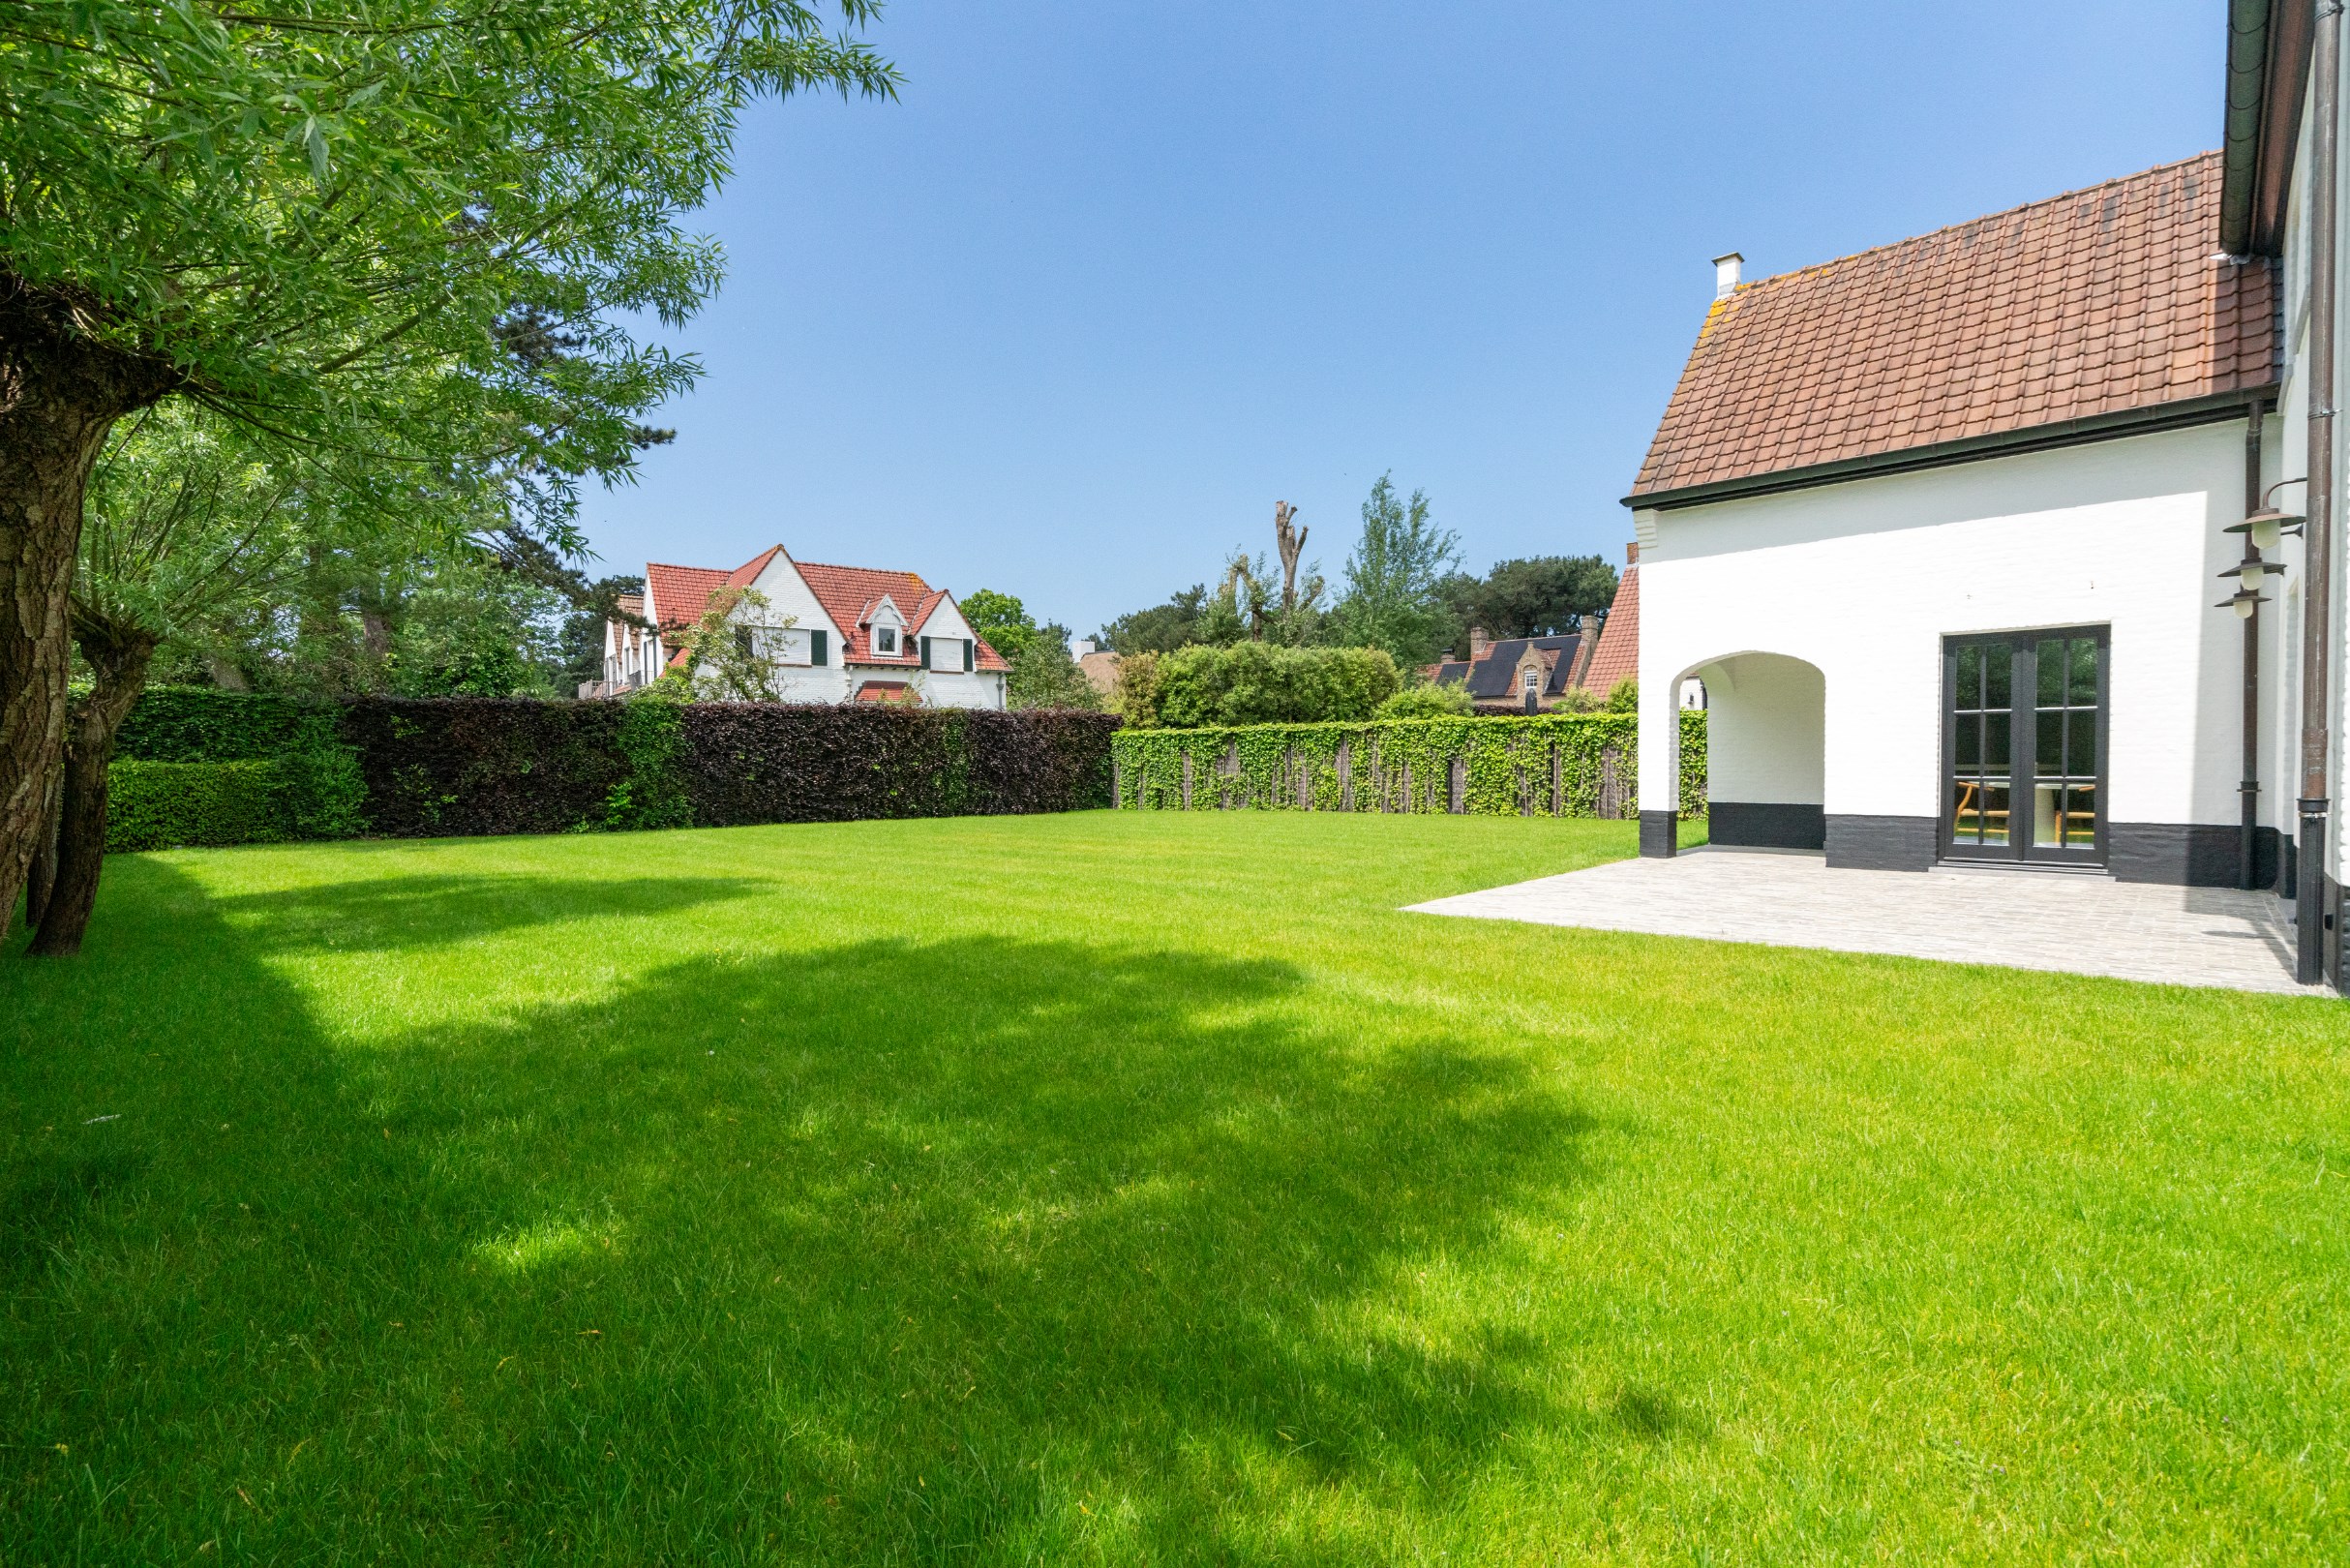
x=325, y=221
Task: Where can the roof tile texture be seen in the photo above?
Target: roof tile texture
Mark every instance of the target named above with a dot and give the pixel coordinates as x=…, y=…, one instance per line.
x=1617, y=657
x=2096, y=302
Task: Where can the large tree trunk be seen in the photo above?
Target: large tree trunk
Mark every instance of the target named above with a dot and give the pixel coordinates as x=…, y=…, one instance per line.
x=117, y=655
x=60, y=393
x=42, y=878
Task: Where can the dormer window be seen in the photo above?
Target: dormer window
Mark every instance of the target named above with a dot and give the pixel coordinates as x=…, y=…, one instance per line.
x=885, y=638
x=1532, y=680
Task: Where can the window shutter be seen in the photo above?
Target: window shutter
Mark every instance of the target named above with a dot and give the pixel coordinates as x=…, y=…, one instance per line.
x=971, y=655
x=926, y=653
x=815, y=647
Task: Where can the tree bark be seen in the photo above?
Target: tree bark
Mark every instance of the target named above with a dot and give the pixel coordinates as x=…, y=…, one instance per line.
x=42, y=878
x=61, y=391
x=117, y=655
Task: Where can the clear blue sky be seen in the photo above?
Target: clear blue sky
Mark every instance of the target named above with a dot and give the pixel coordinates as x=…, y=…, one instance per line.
x=1110, y=279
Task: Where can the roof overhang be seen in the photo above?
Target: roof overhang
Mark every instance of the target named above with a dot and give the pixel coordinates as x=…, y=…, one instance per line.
x=2206, y=411
x=2268, y=74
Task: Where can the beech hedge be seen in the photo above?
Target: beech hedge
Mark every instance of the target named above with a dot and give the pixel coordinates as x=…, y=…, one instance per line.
x=1585, y=764
x=196, y=766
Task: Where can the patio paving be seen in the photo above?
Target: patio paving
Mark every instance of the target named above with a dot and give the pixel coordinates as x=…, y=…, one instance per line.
x=2071, y=924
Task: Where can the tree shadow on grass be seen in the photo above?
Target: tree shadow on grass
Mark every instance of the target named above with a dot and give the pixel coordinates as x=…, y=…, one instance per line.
x=978, y=1250
x=408, y=911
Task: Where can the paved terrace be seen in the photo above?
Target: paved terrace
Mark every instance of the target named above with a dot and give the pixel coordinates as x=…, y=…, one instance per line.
x=2071, y=924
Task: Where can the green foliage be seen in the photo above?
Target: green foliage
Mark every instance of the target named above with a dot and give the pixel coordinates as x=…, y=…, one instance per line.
x=1390, y=599
x=1547, y=765
x=398, y=224
x=1533, y=596
x=166, y=804
x=1044, y=675
x=1424, y=702
x=651, y=741
x=582, y=634
x=1001, y=621
x=725, y=650
x=271, y=768
x=1162, y=628
x=1624, y=697
x=1256, y=684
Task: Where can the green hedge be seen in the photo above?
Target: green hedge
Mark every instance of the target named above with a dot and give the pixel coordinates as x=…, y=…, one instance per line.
x=196, y=766
x=1549, y=764
x=163, y=804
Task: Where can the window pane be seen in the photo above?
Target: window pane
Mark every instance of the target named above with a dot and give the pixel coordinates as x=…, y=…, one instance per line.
x=2081, y=817
x=2049, y=760
x=1968, y=754
x=1999, y=661
x=1967, y=815
x=1995, y=741
x=2047, y=801
x=2052, y=674
x=2081, y=743
x=1995, y=813
x=2083, y=683
x=1969, y=679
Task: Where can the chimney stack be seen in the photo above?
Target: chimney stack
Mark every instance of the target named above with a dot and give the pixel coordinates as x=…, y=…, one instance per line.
x=1632, y=554
x=1480, y=645
x=1726, y=270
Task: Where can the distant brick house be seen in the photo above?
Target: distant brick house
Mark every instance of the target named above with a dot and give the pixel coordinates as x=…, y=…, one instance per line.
x=1500, y=674
x=831, y=634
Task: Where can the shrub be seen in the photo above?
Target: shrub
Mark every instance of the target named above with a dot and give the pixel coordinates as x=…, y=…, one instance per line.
x=1624, y=697
x=1547, y=765
x=418, y=767
x=1582, y=700
x=1430, y=700
x=163, y=804
x=1259, y=683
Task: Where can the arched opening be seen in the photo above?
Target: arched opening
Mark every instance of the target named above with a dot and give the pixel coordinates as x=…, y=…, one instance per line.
x=1765, y=750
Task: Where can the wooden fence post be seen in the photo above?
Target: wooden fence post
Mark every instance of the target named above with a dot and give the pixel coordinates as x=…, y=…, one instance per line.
x=1186, y=778
x=1346, y=775
x=1459, y=782
x=1117, y=784
x=1559, y=782
x=1611, y=792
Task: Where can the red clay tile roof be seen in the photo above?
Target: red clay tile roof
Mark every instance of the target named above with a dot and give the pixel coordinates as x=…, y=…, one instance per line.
x=1617, y=657
x=2096, y=302
x=848, y=593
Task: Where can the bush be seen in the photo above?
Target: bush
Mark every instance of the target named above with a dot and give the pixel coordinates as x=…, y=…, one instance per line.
x=1430, y=700
x=431, y=766
x=1624, y=697
x=1259, y=683
x=1547, y=765
x=163, y=804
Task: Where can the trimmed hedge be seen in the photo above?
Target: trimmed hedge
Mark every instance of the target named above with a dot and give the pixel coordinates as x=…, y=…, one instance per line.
x=1549, y=764
x=204, y=767
x=161, y=805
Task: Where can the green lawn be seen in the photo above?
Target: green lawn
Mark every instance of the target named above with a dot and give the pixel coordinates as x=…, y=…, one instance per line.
x=1131, y=1189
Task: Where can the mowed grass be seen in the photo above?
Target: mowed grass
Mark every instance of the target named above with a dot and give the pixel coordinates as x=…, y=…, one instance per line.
x=1131, y=1189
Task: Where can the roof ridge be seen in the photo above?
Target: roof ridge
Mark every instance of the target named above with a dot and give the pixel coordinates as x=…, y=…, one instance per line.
x=885, y=571
x=1969, y=223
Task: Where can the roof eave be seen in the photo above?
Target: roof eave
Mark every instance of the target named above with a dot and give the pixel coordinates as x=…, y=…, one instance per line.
x=2145, y=421
x=2268, y=72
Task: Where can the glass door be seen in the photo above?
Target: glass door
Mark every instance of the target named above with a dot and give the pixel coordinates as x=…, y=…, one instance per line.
x=2024, y=720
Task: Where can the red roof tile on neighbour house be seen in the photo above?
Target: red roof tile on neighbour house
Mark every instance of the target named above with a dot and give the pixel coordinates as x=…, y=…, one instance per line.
x=2096, y=302
x=1617, y=657
x=849, y=595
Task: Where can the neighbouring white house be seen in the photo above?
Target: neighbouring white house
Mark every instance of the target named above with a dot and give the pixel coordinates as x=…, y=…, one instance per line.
x=831, y=634
x=1986, y=545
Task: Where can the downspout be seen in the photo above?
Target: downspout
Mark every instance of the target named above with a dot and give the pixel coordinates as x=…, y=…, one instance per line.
x=2317, y=572
x=2247, y=853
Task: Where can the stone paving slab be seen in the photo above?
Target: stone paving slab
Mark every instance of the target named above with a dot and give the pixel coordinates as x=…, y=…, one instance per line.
x=2073, y=924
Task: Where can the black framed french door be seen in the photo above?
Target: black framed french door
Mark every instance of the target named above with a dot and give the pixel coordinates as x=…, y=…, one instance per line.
x=2024, y=745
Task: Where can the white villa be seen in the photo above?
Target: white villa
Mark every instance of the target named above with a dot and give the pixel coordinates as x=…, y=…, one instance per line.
x=1954, y=532
x=831, y=634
